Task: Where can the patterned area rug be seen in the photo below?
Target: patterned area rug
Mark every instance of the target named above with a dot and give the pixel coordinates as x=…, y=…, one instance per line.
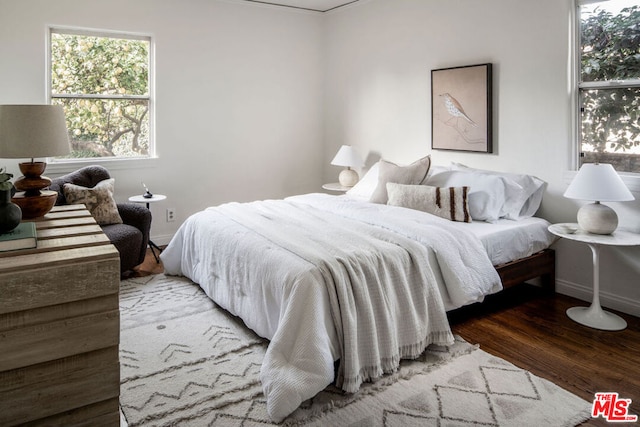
x=185, y=361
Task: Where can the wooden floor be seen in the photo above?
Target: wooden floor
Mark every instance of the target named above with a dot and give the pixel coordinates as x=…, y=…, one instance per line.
x=531, y=330
x=147, y=268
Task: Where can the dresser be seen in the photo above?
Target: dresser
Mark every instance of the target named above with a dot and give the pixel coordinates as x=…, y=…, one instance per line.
x=60, y=325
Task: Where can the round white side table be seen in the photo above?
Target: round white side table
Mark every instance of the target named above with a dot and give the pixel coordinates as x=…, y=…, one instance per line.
x=147, y=201
x=336, y=186
x=142, y=199
x=594, y=316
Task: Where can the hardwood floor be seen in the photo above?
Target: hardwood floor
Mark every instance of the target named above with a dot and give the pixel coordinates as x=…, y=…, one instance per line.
x=531, y=330
x=149, y=266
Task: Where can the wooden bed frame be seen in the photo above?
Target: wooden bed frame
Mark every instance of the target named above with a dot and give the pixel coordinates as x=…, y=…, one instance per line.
x=541, y=264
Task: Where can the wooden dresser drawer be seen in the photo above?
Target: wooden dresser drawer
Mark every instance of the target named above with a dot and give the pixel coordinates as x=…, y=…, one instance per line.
x=60, y=325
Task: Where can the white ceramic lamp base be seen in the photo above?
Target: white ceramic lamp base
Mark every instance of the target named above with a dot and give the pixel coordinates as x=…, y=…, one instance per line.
x=597, y=218
x=348, y=178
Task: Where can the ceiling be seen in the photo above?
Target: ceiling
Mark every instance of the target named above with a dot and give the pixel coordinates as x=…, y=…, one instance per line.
x=315, y=5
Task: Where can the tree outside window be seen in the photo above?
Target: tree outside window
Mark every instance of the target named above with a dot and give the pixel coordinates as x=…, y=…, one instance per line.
x=103, y=84
x=609, y=86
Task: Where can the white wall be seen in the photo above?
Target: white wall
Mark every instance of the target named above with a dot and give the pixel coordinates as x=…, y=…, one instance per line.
x=238, y=94
x=379, y=54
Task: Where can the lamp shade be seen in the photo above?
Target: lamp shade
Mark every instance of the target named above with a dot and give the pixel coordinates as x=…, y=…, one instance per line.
x=598, y=182
x=348, y=157
x=28, y=131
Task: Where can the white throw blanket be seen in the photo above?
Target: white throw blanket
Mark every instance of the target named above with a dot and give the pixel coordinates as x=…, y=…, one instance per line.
x=325, y=279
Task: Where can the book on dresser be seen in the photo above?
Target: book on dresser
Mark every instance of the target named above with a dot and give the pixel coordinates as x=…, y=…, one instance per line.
x=21, y=237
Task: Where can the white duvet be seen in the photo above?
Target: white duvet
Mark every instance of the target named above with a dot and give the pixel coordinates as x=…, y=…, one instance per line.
x=326, y=278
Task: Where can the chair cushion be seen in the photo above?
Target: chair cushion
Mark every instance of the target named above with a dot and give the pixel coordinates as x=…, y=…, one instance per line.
x=98, y=200
x=127, y=240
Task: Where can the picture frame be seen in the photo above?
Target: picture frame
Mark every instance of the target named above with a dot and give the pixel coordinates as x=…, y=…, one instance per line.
x=461, y=108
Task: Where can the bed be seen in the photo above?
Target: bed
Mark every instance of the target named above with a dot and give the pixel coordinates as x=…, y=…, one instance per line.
x=344, y=278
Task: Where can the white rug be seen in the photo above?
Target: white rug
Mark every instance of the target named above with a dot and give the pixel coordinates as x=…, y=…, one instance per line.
x=184, y=361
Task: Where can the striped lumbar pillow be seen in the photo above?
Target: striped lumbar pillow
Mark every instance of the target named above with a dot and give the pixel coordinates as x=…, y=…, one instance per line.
x=446, y=202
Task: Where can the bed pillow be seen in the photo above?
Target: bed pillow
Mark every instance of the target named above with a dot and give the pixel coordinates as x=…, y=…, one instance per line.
x=366, y=186
x=526, y=202
x=450, y=203
x=413, y=174
x=487, y=193
x=434, y=169
x=98, y=200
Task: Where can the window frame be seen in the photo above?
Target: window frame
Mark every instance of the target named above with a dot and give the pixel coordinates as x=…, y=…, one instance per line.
x=57, y=165
x=632, y=179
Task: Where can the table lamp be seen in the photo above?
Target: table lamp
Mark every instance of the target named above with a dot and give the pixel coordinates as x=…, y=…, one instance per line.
x=598, y=182
x=348, y=157
x=28, y=131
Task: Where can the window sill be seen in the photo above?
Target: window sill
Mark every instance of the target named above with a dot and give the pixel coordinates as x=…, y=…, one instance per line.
x=631, y=180
x=62, y=167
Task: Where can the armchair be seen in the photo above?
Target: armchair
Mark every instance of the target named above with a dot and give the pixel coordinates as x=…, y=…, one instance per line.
x=132, y=236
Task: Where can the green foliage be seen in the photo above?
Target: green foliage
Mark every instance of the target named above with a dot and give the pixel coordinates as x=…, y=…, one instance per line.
x=90, y=65
x=610, y=45
x=5, y=184
x=83, y=154
x=610, y=50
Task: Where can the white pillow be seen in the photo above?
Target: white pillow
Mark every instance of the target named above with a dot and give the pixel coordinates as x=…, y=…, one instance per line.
x=487, y=195
x=524, y=203
x=366, y=186
x=415, y=173
x=532, y=204
x=449, y=203
x=434, y=169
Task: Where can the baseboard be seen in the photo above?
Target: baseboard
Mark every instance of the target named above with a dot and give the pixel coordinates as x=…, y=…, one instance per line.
x=607, y=300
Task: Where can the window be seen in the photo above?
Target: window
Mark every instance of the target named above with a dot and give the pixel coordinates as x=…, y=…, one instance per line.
x=103, y=83
x=609, y=83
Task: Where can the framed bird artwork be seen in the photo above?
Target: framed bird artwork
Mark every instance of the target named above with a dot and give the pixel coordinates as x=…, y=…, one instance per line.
x=461, y=108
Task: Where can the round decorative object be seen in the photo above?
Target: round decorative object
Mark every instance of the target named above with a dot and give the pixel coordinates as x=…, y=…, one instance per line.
x=597, y=218
x=348, y=177
x=35, y=206
x=10, y=213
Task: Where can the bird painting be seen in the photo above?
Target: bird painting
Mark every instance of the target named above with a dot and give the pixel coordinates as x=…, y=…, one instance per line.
x=454, y=108
x=461, y=108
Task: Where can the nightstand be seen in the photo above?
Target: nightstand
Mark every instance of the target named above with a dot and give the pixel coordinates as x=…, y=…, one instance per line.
x=335, y=186
x=594, y=316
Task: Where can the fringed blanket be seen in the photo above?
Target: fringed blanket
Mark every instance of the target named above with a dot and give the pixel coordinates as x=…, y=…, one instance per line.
x=327, y=281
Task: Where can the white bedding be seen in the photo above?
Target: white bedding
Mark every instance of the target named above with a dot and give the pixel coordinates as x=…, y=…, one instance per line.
x=506, y=240
x=252, y=270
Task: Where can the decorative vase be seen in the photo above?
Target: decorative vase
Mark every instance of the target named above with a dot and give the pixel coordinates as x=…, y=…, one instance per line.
x=10, y=213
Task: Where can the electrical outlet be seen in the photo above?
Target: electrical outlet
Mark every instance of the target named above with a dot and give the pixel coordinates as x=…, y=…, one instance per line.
x=171, y=214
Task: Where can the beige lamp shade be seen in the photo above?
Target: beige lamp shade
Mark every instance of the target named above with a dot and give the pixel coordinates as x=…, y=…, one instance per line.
x=28, y=131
